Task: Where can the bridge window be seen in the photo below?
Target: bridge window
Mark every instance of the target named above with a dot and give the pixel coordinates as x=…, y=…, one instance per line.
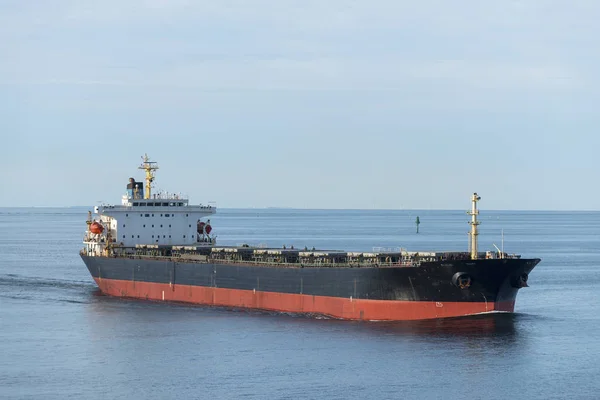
x=136, y=204
x=166, y=215
x=153, y=215
x=152, y=236
x=147, y=215
x=165, y=204
x=150, y=204
x=184, y=236
x=123, y=225
x=123, y=236
x=180, y=204
x=127, y=215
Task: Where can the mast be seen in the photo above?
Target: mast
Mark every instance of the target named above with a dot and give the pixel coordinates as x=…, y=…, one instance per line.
x=502, y=254
x=149, y=167
x=473, y=234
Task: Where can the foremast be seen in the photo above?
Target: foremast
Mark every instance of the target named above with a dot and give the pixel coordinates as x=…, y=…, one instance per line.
x=474, y=223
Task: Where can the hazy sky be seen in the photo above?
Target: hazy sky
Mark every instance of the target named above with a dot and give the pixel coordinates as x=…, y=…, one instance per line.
x=318, y=104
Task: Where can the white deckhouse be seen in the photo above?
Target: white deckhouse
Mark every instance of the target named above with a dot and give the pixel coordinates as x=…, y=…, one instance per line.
x=147, y=220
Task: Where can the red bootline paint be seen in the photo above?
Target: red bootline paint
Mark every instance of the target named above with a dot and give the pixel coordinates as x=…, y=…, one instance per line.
x=344, y=308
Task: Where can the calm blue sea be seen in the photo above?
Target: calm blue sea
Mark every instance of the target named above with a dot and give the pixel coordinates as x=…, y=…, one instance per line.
x=60, y=338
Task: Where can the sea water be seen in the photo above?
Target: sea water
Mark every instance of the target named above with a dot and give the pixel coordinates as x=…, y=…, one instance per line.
x=60, y=338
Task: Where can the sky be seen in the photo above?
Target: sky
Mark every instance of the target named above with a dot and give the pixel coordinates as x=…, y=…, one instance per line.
x=379, y=104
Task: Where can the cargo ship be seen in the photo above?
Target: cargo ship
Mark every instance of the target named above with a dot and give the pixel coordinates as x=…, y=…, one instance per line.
x=159, y=247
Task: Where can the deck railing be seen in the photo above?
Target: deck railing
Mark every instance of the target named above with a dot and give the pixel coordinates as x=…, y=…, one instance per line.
x=264, y=263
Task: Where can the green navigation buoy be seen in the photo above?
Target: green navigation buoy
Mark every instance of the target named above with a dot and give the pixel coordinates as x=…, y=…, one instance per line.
x=417, y=222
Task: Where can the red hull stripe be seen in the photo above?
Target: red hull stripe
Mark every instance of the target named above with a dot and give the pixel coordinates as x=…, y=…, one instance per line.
x=343, y=308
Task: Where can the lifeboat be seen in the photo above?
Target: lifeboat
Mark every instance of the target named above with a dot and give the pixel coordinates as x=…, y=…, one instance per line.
x=96, y=228
x=204, y=228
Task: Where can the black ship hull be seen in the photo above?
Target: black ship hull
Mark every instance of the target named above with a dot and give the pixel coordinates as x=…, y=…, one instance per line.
x=432, y=290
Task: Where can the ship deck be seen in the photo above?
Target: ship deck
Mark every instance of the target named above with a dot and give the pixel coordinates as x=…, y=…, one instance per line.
x=291, y=257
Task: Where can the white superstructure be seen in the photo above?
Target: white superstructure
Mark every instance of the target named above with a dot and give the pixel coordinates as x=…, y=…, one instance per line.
x=148, y=220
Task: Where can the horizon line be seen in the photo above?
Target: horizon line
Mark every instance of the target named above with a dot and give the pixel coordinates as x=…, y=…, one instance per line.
x=347, y=209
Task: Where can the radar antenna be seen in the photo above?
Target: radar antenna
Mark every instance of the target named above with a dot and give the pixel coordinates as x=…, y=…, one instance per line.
x=149, y=167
